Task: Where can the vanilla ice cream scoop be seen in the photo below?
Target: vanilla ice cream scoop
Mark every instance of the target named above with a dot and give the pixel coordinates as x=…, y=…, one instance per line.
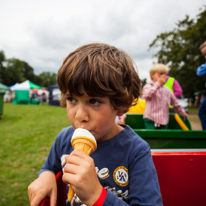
x=83, y=140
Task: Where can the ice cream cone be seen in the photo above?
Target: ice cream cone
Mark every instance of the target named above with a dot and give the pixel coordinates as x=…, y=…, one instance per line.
x=83, y=140
x=85, y=144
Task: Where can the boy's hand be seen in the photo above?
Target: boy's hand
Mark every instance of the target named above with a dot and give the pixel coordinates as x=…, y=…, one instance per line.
x=43, y=186
x=81, y=174
x=185, y=117
x=161, y=79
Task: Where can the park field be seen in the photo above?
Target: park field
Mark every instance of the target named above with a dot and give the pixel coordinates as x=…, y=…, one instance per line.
x=26, y=136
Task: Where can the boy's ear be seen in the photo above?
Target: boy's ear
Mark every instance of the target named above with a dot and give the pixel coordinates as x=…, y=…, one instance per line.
x=120, y=113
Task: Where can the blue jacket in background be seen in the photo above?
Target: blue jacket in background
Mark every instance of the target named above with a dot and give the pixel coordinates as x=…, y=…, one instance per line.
x=201, y=70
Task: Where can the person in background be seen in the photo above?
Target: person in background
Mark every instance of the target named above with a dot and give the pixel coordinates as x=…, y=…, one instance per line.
x=174, y=86
x=193, y=101
x=120, y=119
x=139, y=107
x=201, y=72
x=158, y=98
x=43, y=98
x=6, y=96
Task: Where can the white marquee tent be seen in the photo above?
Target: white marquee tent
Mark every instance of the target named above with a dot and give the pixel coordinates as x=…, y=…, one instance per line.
x=27, y=85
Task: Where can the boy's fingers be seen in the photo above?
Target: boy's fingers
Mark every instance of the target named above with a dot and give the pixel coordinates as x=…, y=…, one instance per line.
x=67, y=178
x=66, y=157
x=76, y=156
x=79, y=153
x=53, y=198
x=31, y=197
x=185, y=117
x=37, y=200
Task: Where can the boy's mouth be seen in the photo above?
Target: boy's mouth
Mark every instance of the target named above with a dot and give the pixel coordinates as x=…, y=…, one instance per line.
x=82, y=127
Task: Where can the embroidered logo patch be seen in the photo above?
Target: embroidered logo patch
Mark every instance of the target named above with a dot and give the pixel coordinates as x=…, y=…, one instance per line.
x=121, y=176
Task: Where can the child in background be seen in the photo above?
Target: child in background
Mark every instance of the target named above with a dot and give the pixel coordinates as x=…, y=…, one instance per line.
x=120, y=119
x=158, y=98
x=99, y=82
x=139, y=107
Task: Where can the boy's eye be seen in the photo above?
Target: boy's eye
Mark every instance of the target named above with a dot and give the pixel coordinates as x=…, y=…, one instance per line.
x=163, y=74
x=94, y=101
x=71, y=100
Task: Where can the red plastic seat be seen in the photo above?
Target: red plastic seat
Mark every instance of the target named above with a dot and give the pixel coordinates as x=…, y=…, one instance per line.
x=61, y=192
x=181, y=174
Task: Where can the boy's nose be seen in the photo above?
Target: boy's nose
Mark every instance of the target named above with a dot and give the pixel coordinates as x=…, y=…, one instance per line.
x=82, y=114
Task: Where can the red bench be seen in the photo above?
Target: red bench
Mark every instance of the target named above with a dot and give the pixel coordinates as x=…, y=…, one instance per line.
x=61, y=192
x=181, y=173
x=182, y=176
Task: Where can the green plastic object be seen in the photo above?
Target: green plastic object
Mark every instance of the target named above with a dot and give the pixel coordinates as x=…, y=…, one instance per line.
x=136, y=122
x=21, y=97
x=35, y=101
x=172, y=138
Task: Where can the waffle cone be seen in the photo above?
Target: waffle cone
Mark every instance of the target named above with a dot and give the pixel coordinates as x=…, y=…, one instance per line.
x=85, y=144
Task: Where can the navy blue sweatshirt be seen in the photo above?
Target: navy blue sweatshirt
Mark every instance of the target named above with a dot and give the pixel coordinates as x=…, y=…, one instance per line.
x=124, y=166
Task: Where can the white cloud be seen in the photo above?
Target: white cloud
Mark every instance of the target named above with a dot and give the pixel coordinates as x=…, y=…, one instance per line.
x=42, y=33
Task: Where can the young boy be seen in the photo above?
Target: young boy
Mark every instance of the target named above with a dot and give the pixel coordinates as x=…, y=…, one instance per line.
x=158, y=98
x=99, y=82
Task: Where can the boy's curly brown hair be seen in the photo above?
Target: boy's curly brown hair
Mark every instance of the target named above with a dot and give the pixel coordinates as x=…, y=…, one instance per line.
x=100, y=70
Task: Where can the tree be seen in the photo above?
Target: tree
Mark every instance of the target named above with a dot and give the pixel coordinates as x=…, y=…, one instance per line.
x=2, y=68
x=14, y=70
x=180, y=51
x=48, y=78
x=17, y=71
x=28, y=72
x=144, y=81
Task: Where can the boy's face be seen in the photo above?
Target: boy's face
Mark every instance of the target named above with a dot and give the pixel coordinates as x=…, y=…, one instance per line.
x=203, y=50
x=156, y=76
x=95, y=114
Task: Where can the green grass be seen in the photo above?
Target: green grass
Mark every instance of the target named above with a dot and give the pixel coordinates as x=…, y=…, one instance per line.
x=193, y=110
x=27, y=133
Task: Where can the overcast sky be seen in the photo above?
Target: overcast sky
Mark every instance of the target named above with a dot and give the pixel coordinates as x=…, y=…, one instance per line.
x=44, y=32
